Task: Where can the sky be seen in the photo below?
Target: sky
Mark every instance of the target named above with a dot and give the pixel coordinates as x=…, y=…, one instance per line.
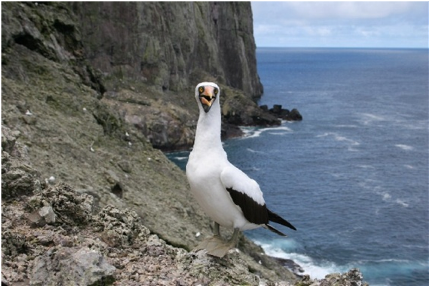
x=341, y=24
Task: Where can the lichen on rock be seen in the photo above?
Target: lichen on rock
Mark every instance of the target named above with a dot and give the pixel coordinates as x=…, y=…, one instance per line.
x=64, y=202
x=119, y=228
x=352, y=277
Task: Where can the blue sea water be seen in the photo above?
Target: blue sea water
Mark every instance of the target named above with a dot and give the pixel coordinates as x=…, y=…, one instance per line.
x=353, y=176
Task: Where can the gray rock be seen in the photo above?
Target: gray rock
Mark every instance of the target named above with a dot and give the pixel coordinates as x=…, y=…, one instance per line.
x=48, y=214
x=13, y=243
x=295, y=115
x=68, y=266
x=351, y=278
x=61, y=203
x=18, y=177
x=8, y=139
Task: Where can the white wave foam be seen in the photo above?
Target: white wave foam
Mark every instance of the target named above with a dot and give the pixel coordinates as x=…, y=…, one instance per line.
x=393, y=260
x=253, y=132
x=404, y=147
x=247, y=131
x=373, y=186
x=279, y=133
x=254, y=135
x=365, y=166
x=314, y=270
x=373, y=117
x=323, y=135
x=345, y=126
x=338, y=137
x=253, y=168
x=181, y=157
x=351, y=143
x=416, y=125
x=386, y=196
x=255, y=151
x=366, y=118
x=402, y=203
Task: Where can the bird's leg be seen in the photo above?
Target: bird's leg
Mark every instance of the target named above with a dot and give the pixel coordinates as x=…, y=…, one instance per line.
x=216, y=229
x=234, y=238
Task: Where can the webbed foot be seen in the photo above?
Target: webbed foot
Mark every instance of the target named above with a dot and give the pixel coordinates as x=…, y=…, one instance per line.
x=216, y=246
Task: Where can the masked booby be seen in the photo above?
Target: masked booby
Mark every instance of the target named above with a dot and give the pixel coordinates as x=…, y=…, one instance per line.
x=226, y=194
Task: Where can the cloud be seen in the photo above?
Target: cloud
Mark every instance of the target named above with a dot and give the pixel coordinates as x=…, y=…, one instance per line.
x=341, y=24
x=348, y=10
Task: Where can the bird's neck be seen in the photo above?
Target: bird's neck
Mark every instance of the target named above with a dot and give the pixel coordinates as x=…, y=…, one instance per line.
x=208, y=133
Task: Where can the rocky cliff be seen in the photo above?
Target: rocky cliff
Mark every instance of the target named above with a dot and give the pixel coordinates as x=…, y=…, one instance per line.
x=88, y=90
x=143, y=59
x=171, y=45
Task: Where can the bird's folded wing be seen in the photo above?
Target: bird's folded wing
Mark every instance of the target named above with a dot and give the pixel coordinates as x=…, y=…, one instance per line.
x=245, y=193
x=232, y=177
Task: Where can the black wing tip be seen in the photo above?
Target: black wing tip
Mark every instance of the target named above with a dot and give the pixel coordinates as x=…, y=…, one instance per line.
x=273, y=229
x=276, y=218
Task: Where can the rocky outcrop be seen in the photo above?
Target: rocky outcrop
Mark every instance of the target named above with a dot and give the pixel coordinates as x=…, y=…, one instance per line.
x=285, y=114
x=351, y=278
x=111, y=246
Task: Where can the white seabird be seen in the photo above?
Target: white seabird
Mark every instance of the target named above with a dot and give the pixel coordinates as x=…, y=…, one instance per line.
x=227, y=195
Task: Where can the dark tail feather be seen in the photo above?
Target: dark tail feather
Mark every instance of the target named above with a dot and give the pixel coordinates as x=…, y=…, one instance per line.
x=271, y=228
x=276, y=218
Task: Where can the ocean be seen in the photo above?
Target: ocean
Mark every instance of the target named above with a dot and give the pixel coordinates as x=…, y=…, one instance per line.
x=353, y=176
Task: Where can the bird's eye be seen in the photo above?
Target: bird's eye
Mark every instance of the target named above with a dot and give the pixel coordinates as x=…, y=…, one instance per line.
x=216, y=91
x=201, y=89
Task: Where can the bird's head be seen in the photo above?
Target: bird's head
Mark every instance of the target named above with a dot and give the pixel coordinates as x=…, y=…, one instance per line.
x=206, y=94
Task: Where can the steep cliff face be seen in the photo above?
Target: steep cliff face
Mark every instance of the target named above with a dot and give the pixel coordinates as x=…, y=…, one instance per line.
x=159, y=51
x=171, y=45
x=144, y=58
